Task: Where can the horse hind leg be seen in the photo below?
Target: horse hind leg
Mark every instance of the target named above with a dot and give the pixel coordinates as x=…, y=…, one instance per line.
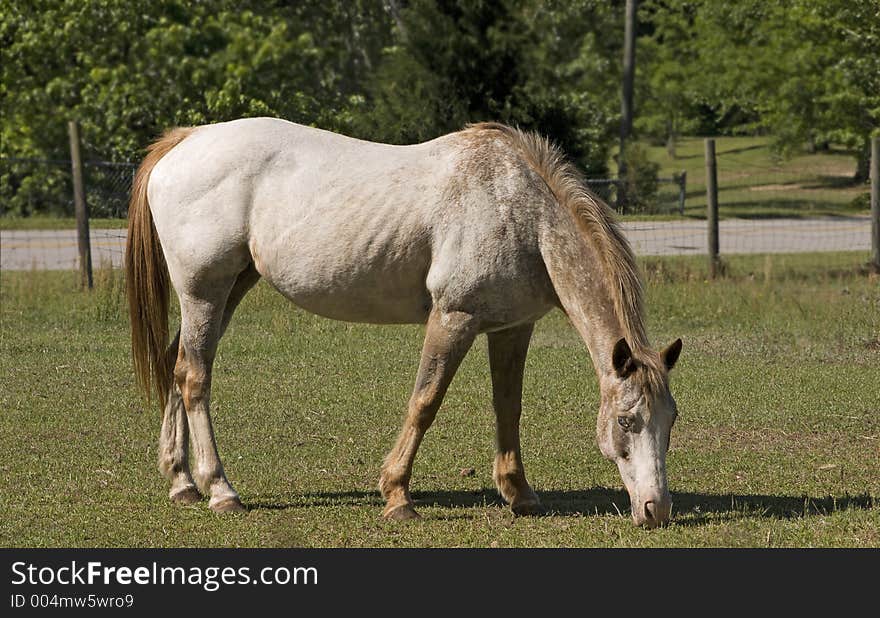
x=174, y=436
x=507, y=359
x=174, y=441
x=205, y=314
x=243, y=283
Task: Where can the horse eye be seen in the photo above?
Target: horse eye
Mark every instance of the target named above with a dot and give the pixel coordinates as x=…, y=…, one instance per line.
x=624, y=422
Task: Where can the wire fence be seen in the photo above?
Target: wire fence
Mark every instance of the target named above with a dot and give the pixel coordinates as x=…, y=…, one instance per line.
x=668, y=197
x=749, y=236
x=763, y=209
x=58, y=249
x=40, y=190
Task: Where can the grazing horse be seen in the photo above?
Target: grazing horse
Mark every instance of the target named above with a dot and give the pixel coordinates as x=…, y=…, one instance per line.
x=480, y=231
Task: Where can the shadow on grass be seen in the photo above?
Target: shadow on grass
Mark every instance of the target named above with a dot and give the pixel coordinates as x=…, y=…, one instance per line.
x=719, y=153
x=689, y=508
x=788, y=209
x=834, y=182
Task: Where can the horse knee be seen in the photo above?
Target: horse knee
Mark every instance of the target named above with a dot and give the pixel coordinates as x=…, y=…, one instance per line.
x=195, y=387
x=423, y=419
x=192, y=381
x=180, y=370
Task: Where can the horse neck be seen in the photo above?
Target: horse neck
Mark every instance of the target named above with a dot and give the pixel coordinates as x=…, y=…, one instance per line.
x=576, y=271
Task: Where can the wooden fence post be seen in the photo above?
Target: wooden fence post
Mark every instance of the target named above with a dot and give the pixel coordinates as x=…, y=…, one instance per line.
x=79, y=202
x=712, y=207
x=875, y=204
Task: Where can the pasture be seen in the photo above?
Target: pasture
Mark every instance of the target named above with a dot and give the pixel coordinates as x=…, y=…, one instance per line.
x=756, y=182
x=777, y=444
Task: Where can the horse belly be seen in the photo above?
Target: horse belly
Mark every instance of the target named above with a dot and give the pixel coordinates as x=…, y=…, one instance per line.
x=354, y=282
x=377, y=300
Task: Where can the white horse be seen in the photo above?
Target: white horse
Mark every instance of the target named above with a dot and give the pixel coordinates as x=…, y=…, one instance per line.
x=480, y=231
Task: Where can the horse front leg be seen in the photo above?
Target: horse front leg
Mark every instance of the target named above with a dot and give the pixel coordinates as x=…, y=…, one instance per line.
x=174, y=441
x=448, y=338
x=507, y=360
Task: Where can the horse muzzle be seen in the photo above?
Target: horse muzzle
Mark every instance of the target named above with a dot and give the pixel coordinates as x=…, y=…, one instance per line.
x=653, y=511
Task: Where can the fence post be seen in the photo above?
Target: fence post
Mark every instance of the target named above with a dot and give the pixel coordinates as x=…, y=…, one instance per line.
x=682, y=190
x=712, y=207
x=79, y=202
x=875, y=204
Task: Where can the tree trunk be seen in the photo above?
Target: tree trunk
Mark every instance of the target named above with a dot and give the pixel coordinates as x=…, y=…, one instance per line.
x=863, y=162
x=670, y=139
x=395, y=7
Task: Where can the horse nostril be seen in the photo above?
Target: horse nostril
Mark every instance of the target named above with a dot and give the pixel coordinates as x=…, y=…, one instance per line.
x=649, y=511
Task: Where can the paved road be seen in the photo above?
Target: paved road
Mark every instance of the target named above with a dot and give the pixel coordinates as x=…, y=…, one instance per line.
x=751, y=236
x=56, y=249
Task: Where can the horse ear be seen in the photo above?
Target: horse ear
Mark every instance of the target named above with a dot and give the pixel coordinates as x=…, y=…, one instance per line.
x=670, y=354
x=622, y=359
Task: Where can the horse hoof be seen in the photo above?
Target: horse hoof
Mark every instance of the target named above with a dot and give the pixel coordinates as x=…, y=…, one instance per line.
x=527, y=509
x=186, y=495
x=402, y=512
x=228, y=505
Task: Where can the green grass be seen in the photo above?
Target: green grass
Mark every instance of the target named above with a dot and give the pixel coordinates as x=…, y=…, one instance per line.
x=777, y=442
x=43, y=222
x=754, y=182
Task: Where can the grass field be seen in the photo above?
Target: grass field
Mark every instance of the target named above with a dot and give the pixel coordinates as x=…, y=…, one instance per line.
x=754, y=182
x=778, y=442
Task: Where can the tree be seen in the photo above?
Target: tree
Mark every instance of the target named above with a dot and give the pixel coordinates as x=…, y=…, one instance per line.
x=802, y=70
x=547, y=66
x=398, y=71
x=668, y=103
x=127, y=72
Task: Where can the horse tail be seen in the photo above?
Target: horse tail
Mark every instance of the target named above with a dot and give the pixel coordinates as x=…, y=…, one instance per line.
x=146, y=278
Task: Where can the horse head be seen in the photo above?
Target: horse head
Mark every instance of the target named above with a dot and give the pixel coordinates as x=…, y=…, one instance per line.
x=635, y=419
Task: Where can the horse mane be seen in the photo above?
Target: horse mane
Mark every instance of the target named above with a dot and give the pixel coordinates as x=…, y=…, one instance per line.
x=594, y=220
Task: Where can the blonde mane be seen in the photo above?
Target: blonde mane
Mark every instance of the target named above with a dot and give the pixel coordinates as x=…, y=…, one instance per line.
x=595, y=220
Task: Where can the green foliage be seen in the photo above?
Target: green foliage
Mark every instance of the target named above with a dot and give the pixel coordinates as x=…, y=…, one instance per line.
x=802, y=71
x=128, y=73
x=805, y=71
x=545, y=66
x=667, y=102
x=861, y=202
x=28, y=187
